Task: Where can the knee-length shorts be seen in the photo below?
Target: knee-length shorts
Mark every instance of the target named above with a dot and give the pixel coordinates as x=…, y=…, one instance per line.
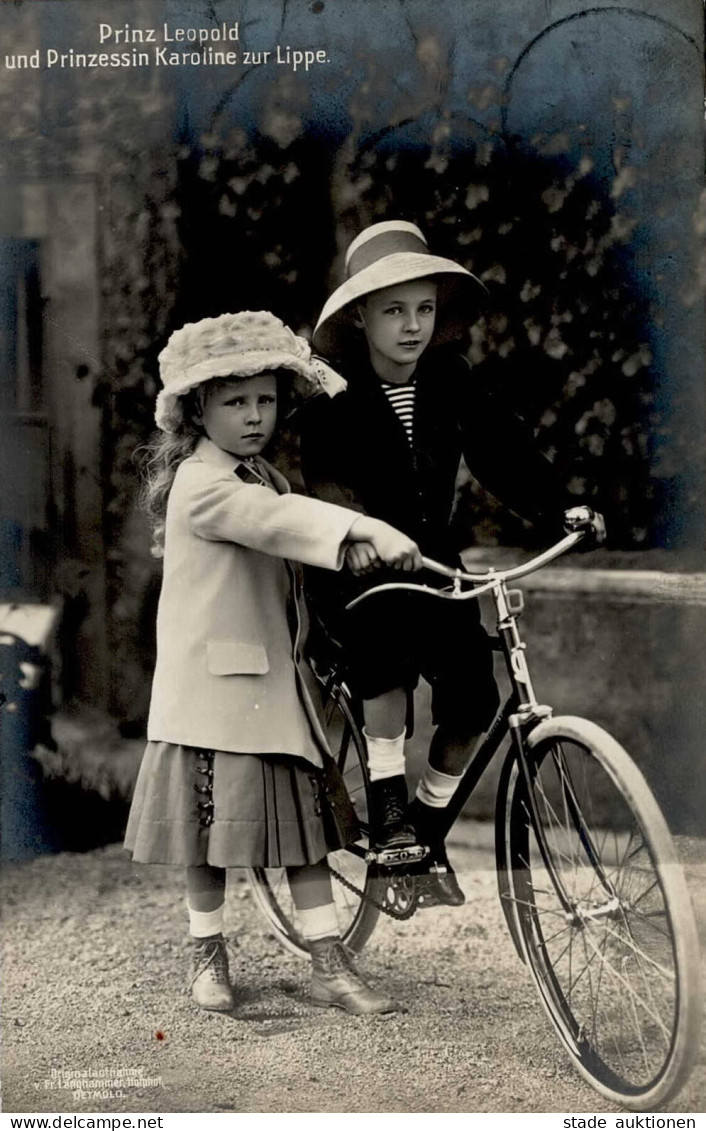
x=391, y=639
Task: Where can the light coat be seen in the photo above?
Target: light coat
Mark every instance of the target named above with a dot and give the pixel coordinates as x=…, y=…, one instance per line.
x=230, y=625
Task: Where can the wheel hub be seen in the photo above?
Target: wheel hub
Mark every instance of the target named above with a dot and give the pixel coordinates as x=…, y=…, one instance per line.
x=582, y=913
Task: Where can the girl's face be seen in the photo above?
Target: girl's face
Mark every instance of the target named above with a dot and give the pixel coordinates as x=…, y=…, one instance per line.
x=398, y=323
x=240, y=413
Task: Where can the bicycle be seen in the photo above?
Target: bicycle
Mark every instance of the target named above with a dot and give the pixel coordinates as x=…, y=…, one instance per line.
x=588, y=876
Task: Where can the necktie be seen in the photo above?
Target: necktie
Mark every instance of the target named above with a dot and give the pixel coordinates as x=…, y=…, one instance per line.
x=251, y=472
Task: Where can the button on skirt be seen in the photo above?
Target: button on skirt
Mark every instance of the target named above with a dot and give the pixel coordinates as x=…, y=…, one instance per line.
x=194, y=806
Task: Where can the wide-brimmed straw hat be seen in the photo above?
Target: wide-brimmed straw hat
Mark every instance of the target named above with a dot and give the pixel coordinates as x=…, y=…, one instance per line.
x=238, y=345
x=385, y=255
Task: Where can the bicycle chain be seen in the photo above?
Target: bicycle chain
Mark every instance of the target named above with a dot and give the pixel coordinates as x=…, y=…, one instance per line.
x=384, y=907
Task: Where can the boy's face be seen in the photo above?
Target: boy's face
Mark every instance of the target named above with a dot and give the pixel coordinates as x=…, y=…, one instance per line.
x=240, y=413
x=398, y=323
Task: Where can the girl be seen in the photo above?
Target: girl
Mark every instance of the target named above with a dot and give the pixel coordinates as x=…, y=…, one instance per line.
x=232, y=773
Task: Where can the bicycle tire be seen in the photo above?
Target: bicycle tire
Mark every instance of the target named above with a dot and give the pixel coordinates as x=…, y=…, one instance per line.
x=631, y=1024
x=502, y=864
x=357, y=917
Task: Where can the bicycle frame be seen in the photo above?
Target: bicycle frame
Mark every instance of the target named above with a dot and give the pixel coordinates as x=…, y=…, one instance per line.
x=521, y=710
x=588, y=876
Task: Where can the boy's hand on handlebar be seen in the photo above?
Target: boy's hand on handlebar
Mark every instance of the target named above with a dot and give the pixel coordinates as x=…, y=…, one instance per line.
x=588, y=522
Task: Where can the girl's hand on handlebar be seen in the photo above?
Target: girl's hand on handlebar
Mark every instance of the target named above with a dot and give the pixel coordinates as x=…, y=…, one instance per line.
x=397, y=550
x=361, y=558
x=393, y=548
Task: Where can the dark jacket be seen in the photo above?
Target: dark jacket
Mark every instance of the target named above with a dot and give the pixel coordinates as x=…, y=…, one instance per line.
x=355, y=452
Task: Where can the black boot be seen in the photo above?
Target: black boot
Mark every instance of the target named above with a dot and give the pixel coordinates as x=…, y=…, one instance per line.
x=390, y=826
x=438, y=880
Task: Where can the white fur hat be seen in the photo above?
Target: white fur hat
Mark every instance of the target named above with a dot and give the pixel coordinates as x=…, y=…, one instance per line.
x=385, y=255
x=241, y=345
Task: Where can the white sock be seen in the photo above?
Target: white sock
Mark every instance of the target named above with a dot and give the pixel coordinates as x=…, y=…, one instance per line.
x=205, y=923
x=385, y=756
x=436, y=789
x=318, y=922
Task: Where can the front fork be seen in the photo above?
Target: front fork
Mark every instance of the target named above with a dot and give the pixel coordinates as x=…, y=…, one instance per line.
x=529, y=712
x=509, y=605
x=518, y=729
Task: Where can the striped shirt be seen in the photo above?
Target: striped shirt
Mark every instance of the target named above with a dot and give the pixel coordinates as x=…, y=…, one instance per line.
x=401, y=397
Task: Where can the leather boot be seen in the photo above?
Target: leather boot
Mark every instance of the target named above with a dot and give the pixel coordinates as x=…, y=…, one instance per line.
x=336, y=982
x=437, y=883
x=390, y=825
x=210, y=986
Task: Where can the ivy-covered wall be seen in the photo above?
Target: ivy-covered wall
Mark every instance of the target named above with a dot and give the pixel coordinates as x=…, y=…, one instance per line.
x=552, y=149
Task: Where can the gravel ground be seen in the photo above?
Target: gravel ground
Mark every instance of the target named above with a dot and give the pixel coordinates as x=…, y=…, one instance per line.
x=95, y=958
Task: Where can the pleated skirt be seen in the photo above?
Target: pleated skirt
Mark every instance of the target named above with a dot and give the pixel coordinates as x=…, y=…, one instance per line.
x=194, y=807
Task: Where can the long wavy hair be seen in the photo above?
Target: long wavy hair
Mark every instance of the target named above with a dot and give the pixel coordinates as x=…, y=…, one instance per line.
x=158, y=460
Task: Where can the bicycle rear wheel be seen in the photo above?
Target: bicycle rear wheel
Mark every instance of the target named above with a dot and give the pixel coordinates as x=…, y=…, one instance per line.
x=617, y=964
x=356, y=916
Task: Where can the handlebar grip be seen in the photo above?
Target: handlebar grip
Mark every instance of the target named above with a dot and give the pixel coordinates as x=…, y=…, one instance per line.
x=578, y=520
x=587, y=524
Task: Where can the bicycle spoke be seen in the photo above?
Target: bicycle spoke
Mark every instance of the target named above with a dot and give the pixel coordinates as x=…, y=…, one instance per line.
x=634, y=999
x=638, y=953
x=575, y=818
x=646, y=893
x=641, y=847
x=559, y=957
x=552, y=826
x=592, y=997
x=551, y=812
x=623, y=982
x=560, y=768
x=640, y=956
x=600, y=978
x=557, y=934
x=571, y=955
x=647, y=918
x=533, y=906
x=647, y=985
x=586, y=968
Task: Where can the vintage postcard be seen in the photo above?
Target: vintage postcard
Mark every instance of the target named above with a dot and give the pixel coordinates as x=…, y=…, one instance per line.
x=296, y=298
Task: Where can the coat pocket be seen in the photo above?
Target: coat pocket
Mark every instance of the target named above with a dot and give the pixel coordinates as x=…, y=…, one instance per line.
x=231, y=657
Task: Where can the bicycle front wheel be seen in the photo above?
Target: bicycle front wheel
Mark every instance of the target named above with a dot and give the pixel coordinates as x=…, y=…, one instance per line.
x=350, y=874
x=603, y=913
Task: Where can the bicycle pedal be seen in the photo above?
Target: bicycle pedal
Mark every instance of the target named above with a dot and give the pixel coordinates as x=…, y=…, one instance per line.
x=394, y=857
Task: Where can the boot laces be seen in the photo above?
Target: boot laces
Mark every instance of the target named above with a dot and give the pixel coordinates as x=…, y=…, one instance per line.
x=340, y=961
x=394, y=812
x=211, y=955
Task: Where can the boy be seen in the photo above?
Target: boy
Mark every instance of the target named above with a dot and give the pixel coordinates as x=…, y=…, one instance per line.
x=390, y=446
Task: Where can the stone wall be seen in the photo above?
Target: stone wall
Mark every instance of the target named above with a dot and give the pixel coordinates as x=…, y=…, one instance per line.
x=623, y=648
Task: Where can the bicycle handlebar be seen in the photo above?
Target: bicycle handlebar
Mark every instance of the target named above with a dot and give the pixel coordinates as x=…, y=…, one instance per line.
x=561, y=547
x=483, y=582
